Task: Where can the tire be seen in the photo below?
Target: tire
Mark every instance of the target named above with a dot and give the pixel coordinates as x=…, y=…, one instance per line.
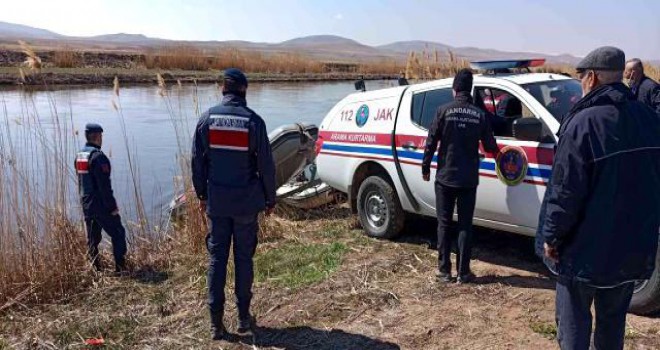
x=646, y=298
x=379, y=209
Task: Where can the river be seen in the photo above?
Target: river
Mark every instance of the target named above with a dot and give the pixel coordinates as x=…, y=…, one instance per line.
x=150, y=120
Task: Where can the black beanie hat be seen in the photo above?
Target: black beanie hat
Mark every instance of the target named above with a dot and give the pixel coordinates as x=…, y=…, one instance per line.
x=463, y=81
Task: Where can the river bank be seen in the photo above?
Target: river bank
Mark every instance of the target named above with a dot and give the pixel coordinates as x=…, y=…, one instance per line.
x=11, y=76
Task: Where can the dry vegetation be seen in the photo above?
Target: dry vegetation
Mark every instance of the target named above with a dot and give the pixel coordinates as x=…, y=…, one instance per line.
x=320, y=283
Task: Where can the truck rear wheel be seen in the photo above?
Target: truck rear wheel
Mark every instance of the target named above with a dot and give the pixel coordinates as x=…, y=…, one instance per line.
x=379, y=209
x=646, y=297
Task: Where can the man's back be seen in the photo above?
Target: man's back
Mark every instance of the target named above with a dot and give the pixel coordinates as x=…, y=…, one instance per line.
x=459, y=126
x=232, y=161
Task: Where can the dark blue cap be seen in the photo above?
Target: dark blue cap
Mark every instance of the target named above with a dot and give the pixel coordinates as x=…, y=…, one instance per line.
x=93, y=127
x=236, y=75
x=603, y=58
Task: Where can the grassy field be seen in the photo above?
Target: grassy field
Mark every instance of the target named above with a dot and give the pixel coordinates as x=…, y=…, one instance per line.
x=320, y=284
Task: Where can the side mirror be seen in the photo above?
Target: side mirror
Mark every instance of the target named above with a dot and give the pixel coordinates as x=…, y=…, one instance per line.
x=528, y=129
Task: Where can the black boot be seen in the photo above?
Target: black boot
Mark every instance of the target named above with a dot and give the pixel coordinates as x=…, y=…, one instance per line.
x=217, y=326
x=245, y=324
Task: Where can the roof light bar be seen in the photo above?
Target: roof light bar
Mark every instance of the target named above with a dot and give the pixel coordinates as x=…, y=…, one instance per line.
x=506, y=64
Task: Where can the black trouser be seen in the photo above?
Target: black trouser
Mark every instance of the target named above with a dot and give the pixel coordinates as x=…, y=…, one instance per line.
x=464, y=199
x=574, y=318
x=242, y=230
x=112, y=225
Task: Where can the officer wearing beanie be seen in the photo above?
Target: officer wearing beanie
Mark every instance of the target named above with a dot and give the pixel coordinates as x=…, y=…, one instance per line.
x=98, y=202
x=458, y=126
x=234, y=177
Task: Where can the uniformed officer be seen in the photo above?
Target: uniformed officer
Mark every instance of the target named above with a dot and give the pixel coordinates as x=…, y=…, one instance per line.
x=234, y=178
x=644, y=89
x=458, y=126
x=607, y=157
x=99, y=205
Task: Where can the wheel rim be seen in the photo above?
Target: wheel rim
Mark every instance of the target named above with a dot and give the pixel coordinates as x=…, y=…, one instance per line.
x=376, y=210
x=639, y=285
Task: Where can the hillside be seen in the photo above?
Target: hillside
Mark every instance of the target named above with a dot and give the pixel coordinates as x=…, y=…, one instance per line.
x=322, y=47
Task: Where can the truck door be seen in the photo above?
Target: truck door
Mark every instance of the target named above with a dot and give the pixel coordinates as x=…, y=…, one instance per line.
x=417, y=111
x=512, y=187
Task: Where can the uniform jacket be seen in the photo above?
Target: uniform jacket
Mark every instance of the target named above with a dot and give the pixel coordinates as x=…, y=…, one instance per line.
x=232, y=163
x=602, y=205
x=93, y=169
x=458, y=126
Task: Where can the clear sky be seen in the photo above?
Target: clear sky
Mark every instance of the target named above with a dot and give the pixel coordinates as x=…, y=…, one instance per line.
x=548, y=26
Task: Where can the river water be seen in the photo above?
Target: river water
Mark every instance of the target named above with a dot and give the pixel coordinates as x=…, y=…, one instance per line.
x=149, y=119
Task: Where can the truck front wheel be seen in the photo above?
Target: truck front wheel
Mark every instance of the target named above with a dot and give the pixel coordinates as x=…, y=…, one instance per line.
x=379, y=209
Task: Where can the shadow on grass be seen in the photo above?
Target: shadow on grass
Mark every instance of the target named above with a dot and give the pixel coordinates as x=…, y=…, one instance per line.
x=149, y=275
x=491, y=246
x=529, y=282
x=294, y=338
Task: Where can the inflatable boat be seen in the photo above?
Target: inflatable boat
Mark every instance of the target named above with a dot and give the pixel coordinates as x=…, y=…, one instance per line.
x=293, y=153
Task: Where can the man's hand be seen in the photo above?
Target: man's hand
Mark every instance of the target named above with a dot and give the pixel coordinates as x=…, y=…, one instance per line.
x=426, y=177
x=270, y=210
x=115, y=212
x=202, y=206
x=551, y=253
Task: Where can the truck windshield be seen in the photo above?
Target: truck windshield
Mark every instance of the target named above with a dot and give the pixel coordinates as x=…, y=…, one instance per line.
x=558, y=96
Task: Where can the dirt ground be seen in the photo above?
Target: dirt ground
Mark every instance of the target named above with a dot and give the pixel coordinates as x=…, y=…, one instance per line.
x=383, y=295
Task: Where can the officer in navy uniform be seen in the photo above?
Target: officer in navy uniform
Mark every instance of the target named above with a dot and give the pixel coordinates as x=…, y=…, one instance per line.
x=98, y=202
x=458, y=126
x=234, y=177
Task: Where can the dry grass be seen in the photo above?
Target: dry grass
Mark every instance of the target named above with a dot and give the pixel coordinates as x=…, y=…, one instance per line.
x=191, y=58
x=66, y=58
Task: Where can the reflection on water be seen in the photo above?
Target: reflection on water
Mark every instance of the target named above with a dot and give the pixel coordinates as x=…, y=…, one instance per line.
x=150, y=121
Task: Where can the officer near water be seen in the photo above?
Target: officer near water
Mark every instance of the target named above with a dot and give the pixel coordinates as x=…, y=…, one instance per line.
x=458, y=126
x=98, y=202
x=234, y=177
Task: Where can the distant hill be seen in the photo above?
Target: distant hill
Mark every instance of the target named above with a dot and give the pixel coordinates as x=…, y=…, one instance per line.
x=19, y=31
x=123, y=38
x=406, y=47
x=322, y=47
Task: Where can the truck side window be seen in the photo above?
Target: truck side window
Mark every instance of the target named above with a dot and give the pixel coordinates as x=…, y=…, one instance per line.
x=417, y=103
x=425, y=105
x=503, y=109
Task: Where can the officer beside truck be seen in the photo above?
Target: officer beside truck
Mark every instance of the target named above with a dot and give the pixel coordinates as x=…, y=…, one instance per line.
x=458, y=126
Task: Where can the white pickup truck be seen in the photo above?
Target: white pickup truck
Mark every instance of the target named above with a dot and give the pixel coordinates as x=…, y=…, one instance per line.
x=371, y=145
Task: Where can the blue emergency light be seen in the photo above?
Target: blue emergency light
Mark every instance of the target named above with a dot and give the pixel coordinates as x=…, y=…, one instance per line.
x=504, y=65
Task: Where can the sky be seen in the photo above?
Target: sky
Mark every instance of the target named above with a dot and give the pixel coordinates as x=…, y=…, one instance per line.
x=545, y=26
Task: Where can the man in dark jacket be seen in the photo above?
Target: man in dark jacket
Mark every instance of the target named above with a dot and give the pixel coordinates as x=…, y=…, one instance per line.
x=644, y=89
x=458, y=126
x=232, y=169
x=99, y=205
x=608, y=157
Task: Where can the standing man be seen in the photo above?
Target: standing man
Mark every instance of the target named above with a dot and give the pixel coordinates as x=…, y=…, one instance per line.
x=644, y=89
x=98, y=202
x=607, y=157
x=232, y=171
x=458, y=126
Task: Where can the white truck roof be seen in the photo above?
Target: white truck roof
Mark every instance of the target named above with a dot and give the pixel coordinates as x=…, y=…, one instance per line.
x=516, y=78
